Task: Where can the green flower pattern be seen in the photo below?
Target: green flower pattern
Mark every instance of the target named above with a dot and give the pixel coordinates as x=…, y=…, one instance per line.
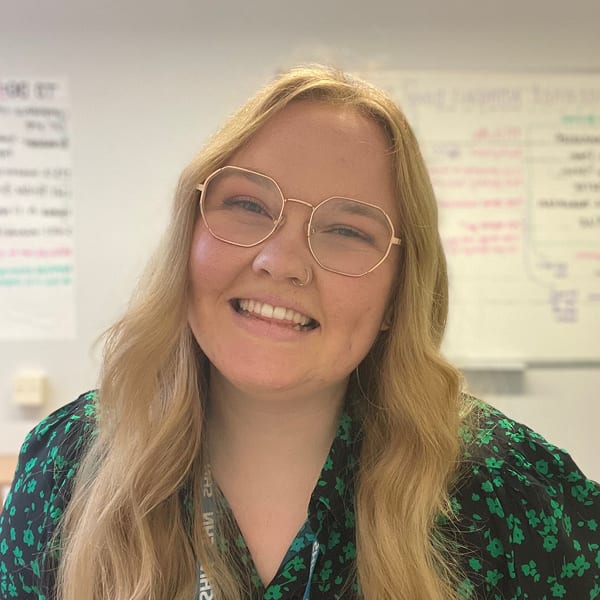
x=526, y=517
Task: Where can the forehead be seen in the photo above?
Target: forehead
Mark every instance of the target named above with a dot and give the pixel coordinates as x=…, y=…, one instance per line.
x=314, y=150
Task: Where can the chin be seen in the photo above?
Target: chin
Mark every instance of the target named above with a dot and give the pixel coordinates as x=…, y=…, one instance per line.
x=265, y=385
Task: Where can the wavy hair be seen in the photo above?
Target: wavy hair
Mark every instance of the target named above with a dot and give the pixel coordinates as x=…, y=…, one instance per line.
x=131, y=530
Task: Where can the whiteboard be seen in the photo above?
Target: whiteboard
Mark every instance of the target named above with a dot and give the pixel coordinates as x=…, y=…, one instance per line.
x=515, y=164
x=37, y=241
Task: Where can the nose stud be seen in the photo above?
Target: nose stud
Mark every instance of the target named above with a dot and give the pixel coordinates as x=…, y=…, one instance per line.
x=299, y=283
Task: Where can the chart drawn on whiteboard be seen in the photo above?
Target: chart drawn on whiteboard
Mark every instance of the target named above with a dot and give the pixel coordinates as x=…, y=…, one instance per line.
x=515, y=165
x=36, y=211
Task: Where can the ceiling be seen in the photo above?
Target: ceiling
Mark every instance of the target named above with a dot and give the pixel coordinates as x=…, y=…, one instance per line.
x=277, y=16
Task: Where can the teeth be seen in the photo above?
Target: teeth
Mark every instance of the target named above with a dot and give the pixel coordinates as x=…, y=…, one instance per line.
x=279, y=313
x=266, y=310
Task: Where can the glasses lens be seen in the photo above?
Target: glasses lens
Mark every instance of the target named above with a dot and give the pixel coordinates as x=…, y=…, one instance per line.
x=240, y=206
x=349, y=236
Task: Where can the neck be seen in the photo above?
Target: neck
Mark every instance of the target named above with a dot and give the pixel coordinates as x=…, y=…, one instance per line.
x=265, y=433
x=266, y=453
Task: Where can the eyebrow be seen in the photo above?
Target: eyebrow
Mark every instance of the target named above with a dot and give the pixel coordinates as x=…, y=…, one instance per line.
x=355, y=207
x=262, y=180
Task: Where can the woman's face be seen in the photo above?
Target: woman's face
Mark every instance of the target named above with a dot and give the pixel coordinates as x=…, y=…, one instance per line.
x=313, y=151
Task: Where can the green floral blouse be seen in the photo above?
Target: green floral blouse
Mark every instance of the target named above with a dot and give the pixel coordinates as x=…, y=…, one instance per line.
x=527, y=517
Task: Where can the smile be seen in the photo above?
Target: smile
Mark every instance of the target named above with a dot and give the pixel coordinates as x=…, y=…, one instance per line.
x=285, y=315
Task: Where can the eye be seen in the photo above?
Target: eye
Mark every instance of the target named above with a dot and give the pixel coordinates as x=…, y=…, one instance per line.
x=347, y=231
x=246, y=204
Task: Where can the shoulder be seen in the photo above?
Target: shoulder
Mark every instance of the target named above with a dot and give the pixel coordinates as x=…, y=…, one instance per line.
x=523, y=460
x=527, y=512
x=50, y=455
x=41, y=488
x=60, y=436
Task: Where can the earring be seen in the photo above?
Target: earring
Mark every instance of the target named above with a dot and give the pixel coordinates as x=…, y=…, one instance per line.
x=298, y=283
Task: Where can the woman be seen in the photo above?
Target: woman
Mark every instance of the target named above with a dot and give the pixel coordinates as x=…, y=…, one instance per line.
x=274, y=418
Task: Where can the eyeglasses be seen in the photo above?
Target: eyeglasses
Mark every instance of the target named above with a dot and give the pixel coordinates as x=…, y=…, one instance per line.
x=345, y=236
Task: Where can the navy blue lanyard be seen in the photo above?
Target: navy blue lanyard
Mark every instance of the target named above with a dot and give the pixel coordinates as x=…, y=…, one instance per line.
x=313, y=563
x=204, y=591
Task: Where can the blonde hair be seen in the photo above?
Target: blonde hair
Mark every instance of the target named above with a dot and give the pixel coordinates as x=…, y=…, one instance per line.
x=127, y=533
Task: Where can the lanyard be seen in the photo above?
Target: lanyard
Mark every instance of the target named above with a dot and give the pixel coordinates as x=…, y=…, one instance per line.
x=204, y=591
x=313, y=563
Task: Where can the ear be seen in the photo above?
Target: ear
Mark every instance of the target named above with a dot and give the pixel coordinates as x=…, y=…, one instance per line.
x=387, y=318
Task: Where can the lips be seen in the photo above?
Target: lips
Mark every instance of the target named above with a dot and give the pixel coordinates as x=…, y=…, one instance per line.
x=285, y=315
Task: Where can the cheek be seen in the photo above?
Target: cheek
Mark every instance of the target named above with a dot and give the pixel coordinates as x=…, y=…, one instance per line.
x=203, y=251
x=210, y=263
x=214, y=267
x=359, y=314
x=204, y=272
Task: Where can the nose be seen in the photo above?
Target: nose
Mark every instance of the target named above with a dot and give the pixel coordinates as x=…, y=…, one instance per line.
x=285, y=255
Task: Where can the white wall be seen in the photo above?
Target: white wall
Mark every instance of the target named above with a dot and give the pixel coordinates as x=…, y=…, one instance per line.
x=149, y=80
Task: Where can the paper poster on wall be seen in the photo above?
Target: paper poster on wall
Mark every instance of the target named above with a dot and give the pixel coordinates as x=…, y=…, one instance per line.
x=36, y=211
x=514, y=161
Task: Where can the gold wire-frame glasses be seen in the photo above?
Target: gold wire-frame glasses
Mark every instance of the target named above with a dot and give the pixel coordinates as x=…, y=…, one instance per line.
x=235, y=216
